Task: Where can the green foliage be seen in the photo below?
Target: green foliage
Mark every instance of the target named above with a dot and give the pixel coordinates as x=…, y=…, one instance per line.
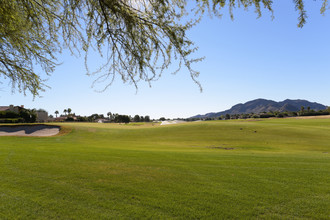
x=138, y=39
x=147, y=118
x=28, y=37
x=69, y=119
x=94, y=117
x=82, y=119
x=11, y=120
x=24, y=115
x=8, y=114
x=29, y=116
x=122, y=119
x=136, y=118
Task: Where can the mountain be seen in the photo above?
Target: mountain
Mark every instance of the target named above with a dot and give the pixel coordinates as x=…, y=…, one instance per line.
x=264, y=105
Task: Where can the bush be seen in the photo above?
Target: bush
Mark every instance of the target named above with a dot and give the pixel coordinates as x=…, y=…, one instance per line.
x=82, y=119
x=28, y=116
x=11, y=120
x=69, y=119
x=8, y=114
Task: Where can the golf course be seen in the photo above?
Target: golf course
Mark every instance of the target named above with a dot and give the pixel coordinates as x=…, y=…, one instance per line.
x=225, y=169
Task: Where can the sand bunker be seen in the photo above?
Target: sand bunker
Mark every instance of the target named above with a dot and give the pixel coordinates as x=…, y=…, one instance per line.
x=172, y=122
x=29, y=130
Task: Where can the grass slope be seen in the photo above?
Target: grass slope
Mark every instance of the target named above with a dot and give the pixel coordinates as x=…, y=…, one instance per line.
x=277, y=168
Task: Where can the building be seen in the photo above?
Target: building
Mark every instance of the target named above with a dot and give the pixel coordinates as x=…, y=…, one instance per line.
x=42, y=116
x=12, y=108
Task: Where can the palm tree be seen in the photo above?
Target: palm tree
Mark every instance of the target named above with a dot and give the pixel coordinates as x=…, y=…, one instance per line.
x=69, y=111
x=65, y=111
x=56, y=113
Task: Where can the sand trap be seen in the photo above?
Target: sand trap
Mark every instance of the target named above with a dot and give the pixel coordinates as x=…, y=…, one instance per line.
x=29, y=130
x=172, y=122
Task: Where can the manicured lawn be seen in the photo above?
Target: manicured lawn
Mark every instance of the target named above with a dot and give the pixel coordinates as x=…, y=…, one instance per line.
x=269, y=169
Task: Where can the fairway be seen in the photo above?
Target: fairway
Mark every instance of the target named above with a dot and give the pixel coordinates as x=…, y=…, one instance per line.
x=235, y=169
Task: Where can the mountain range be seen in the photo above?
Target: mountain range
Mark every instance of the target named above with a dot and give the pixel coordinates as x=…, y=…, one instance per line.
x=264, y=105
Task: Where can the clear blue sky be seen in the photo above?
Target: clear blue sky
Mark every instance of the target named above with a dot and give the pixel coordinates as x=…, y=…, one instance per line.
x=247, y=58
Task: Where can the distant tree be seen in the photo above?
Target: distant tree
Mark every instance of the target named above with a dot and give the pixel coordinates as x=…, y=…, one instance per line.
x=308, y=108
x=136, y=118
x=65, y=111
x=69, y=119
x=302, y=111
x=93, y=117
x=29, y=116
x=69, y=111
x=82, y=119
x=56, y=113
x=293, y=114
x=162, y=119
x=125, y=119
x=227, y=116
x=109, y=114
x=147, y=118
x=122, y=119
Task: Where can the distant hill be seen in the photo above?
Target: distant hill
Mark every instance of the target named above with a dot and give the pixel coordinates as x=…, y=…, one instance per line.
x=264, y=105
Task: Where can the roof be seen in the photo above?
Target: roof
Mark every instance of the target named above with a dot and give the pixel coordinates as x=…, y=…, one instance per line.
x=4, y=108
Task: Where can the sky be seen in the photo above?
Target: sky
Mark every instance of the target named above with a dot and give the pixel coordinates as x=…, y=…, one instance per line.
x=245, y=59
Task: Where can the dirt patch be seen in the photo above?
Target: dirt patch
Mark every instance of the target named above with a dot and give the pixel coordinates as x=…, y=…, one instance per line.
x=313, y=117
x=222, y=148
x=39, y=130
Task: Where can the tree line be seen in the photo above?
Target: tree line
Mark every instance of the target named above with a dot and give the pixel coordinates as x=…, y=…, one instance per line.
x=113, y=118
x=110, y=118
x=23, y=116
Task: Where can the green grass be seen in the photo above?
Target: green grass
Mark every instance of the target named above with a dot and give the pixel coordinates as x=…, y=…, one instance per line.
x=269, y=169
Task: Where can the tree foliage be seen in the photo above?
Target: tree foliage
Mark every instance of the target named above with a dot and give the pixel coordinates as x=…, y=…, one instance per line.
x=138, y=39
x=24, y=115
